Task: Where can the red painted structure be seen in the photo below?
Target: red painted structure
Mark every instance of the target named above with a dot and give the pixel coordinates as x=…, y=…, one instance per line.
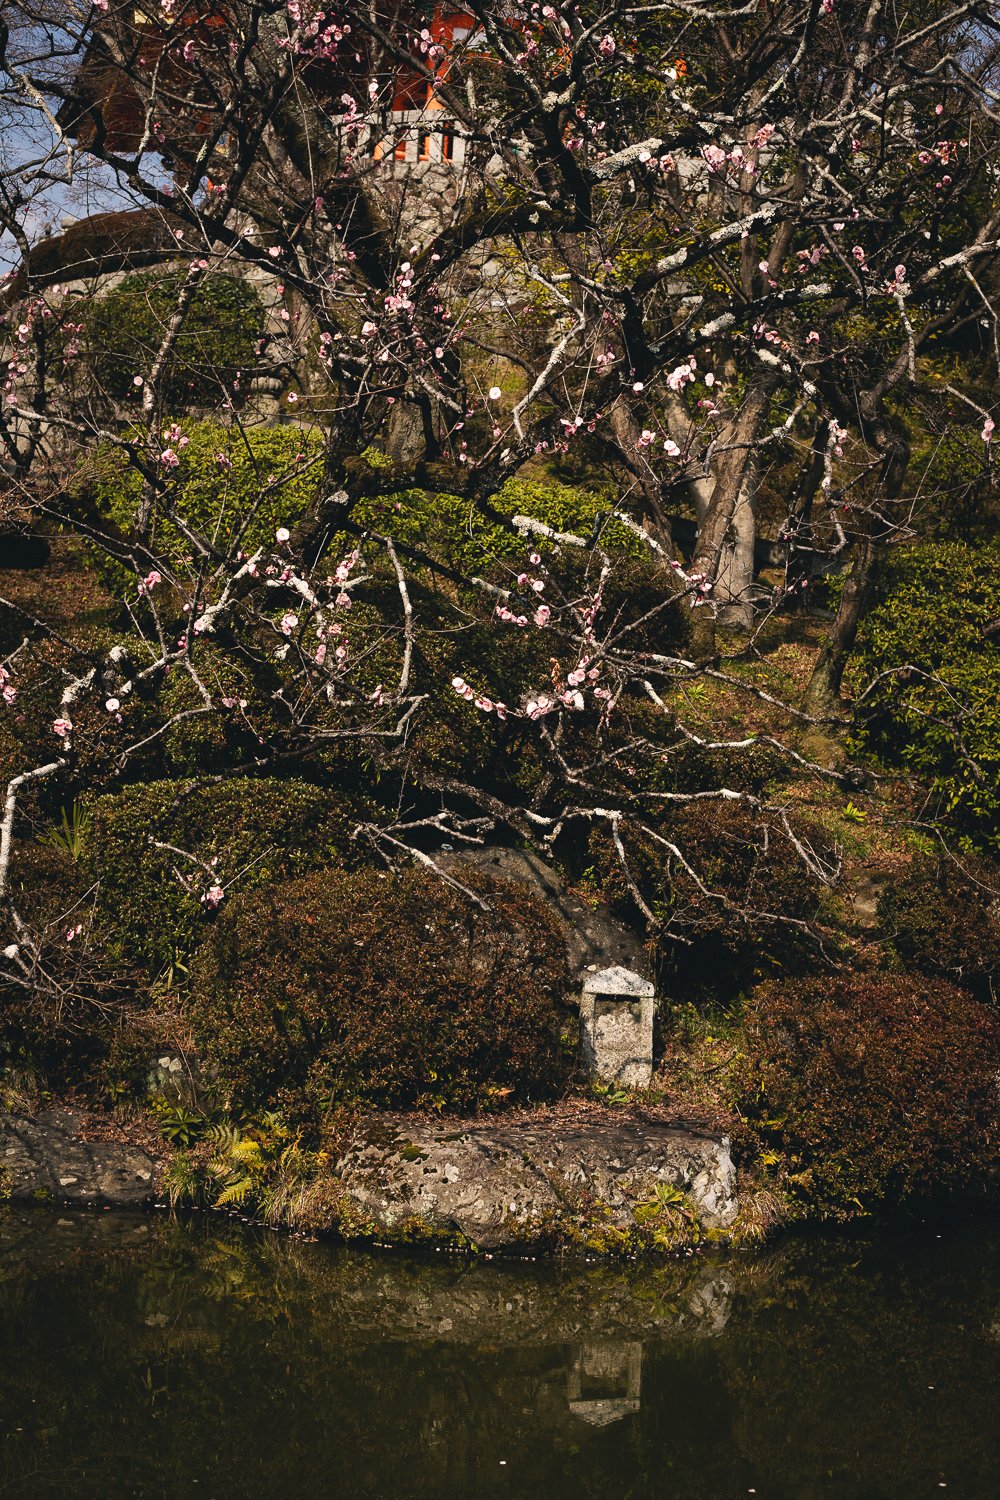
x=106, y=107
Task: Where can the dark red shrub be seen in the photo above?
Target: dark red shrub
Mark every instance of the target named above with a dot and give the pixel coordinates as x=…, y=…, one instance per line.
x=876, y=1087
x=742, y=915
x=943, y=918
x=398, y=990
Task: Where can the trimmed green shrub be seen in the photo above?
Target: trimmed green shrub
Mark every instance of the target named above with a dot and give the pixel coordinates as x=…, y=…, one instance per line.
x=233, y=485
x=935, y=707
x=125, y=328
x=62, y=1023
x=942, y=918
x=451, y=529
x=393, y=989
x=240, y=834
x=876, y=1088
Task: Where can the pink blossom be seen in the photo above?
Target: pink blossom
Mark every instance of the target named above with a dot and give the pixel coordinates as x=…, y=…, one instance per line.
x=542, y=616
x=169, y=458
x=213, y=896
x=608, y=46
x=282, y=535
x=62, y=727
x=989, y=427
x=288, y=622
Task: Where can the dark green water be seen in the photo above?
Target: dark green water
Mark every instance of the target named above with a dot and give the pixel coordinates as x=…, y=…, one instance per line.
x=147, y=1359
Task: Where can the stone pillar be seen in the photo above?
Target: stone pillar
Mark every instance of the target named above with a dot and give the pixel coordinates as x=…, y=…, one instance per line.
x=616, y=1027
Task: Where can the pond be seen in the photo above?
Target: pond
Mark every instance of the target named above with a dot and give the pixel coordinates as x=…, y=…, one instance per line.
x=147, y=1358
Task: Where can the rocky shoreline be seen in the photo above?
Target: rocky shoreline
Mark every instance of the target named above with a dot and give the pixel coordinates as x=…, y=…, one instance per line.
x=596, y=1187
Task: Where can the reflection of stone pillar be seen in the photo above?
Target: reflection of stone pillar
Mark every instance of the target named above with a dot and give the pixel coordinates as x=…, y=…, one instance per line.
x=616, y=1027
x=604, y=1382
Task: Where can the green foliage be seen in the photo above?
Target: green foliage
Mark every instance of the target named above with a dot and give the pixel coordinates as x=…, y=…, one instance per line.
x=259, y=1167
x=453, y=530
x=934, y=709
x=246, y=832
x=942, y=918
x=71, y=833
x=179, y=1125
x=125, y=329
x=233, y=485
x=392, y=989
x=875, y=1088
x=65, y=1024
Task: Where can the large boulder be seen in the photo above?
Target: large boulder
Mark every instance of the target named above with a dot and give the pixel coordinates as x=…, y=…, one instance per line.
x=43, y=1157
x=594, y=1184
x=594, y=938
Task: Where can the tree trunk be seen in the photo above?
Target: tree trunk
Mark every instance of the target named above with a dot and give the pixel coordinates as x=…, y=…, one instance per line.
x=822, y=696
x=719, y=535
x=735, y=575
x=798, y=526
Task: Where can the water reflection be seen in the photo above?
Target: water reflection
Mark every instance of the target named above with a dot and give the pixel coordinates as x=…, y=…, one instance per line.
x=145, y=1359
x=604, y=1381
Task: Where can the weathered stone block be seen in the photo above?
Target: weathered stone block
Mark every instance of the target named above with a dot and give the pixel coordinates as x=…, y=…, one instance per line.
x=616, y=1027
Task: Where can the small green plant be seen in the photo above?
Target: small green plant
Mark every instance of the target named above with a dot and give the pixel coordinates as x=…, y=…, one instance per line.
x=179, y=1125
x=609, y=1094
x=175, y=973
x=667, y=1215
x=71, y=833
x=854, y=814
x=262, y=1167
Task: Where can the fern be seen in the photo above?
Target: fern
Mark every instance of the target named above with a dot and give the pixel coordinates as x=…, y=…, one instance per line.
x=236, y=1193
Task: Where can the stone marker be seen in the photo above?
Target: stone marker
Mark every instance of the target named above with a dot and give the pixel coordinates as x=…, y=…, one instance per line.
x=616, y=1027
